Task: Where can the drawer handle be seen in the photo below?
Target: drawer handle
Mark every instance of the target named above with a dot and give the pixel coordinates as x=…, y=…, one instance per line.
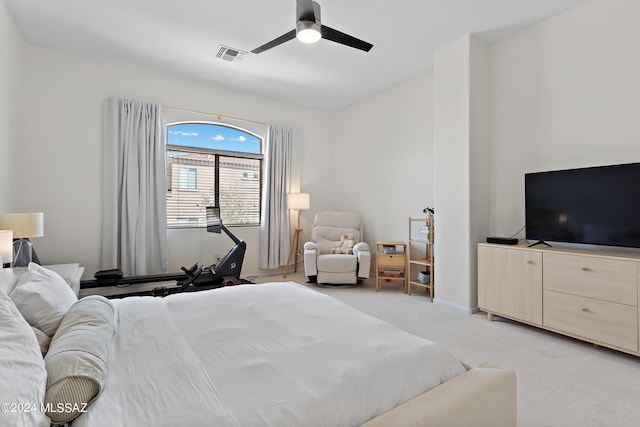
x=530, y=262
x=585, y=309
x=586, y=269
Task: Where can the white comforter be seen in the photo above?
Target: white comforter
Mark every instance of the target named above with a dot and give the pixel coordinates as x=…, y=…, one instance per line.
x=275, y=354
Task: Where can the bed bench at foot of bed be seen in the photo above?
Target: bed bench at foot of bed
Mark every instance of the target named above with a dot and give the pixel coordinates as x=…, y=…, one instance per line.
x=479, y=397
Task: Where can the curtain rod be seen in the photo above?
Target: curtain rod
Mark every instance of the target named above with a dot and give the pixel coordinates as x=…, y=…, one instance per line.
x=220, y=116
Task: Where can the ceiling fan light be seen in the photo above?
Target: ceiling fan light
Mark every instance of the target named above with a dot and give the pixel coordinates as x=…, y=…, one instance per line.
x=308, y=32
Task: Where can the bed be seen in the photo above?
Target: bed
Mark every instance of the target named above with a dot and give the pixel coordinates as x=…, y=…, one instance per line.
x=276, y=354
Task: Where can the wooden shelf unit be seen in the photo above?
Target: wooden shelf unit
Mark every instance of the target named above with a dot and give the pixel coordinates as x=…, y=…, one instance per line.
x=395, y=261
x=420, y=253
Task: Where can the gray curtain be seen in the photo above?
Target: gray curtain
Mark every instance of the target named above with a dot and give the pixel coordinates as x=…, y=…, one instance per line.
x=282, y=170
x=133, y=188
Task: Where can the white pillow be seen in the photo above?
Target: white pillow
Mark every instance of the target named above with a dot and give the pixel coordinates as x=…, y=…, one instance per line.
x=43, y=297
x=8, y=279
x=77, y=359
x=23, y=376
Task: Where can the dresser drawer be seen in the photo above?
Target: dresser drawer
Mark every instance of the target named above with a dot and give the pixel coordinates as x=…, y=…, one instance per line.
x=391, y=260
x=594, y=320
x=612, y=280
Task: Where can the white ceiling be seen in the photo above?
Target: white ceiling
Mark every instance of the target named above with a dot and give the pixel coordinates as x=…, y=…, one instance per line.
x=181, y=37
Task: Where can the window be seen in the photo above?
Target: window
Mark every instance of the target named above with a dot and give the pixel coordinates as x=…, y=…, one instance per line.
x=212, y=164
x=188, y=178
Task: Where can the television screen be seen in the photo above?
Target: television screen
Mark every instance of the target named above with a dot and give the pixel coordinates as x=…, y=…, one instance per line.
x=598, y=205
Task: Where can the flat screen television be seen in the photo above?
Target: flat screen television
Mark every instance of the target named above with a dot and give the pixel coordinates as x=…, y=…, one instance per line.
x=596, y=205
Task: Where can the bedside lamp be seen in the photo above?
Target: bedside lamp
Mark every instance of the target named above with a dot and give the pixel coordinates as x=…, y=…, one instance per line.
x=6, y=248
x=296, y=201
x=24, y=226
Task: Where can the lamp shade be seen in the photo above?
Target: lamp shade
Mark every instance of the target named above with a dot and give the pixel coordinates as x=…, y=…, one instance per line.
x=298, y=201
x=23, y=225
x=6, y=247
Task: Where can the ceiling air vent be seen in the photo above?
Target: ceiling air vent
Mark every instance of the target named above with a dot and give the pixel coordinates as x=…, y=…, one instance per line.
x=229, y=54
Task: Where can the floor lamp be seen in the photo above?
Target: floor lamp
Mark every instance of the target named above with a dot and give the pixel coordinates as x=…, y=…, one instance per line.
x=296, y=201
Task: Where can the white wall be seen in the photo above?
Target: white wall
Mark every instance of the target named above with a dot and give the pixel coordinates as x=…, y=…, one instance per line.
x=479, y=218
x=452, y=116
x=62, y=139
x=384, y=158
x=11, y=46
x=565, y=93
x=461, y=167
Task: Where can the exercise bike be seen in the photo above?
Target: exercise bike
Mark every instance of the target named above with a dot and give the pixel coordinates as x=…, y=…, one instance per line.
x=226, y=272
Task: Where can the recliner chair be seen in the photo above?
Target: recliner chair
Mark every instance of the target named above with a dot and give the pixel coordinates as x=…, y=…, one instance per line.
x=320, y=265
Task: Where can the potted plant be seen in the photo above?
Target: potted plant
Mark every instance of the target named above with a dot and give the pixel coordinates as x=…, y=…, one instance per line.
x=429, y=211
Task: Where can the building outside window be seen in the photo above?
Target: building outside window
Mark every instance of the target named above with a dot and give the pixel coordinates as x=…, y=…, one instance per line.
x=213, y=164
x=187, y=222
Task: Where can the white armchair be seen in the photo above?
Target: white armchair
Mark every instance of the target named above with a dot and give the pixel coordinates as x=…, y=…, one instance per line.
x=320, y=265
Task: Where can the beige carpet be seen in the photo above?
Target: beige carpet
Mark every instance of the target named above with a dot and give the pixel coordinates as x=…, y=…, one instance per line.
x=561, y=381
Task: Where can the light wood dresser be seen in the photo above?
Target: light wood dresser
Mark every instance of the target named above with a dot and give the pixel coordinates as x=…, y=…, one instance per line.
x=590, y=295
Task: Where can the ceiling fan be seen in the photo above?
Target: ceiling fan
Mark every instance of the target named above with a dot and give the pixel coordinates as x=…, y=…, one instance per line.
x=310, y=30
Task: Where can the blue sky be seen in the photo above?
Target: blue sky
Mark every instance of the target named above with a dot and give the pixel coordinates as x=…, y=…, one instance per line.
x=203, y=135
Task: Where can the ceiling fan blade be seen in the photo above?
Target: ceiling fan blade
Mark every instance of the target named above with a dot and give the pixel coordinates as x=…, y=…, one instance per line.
x=345, y=39
x=305, y=11
x=275, y=42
